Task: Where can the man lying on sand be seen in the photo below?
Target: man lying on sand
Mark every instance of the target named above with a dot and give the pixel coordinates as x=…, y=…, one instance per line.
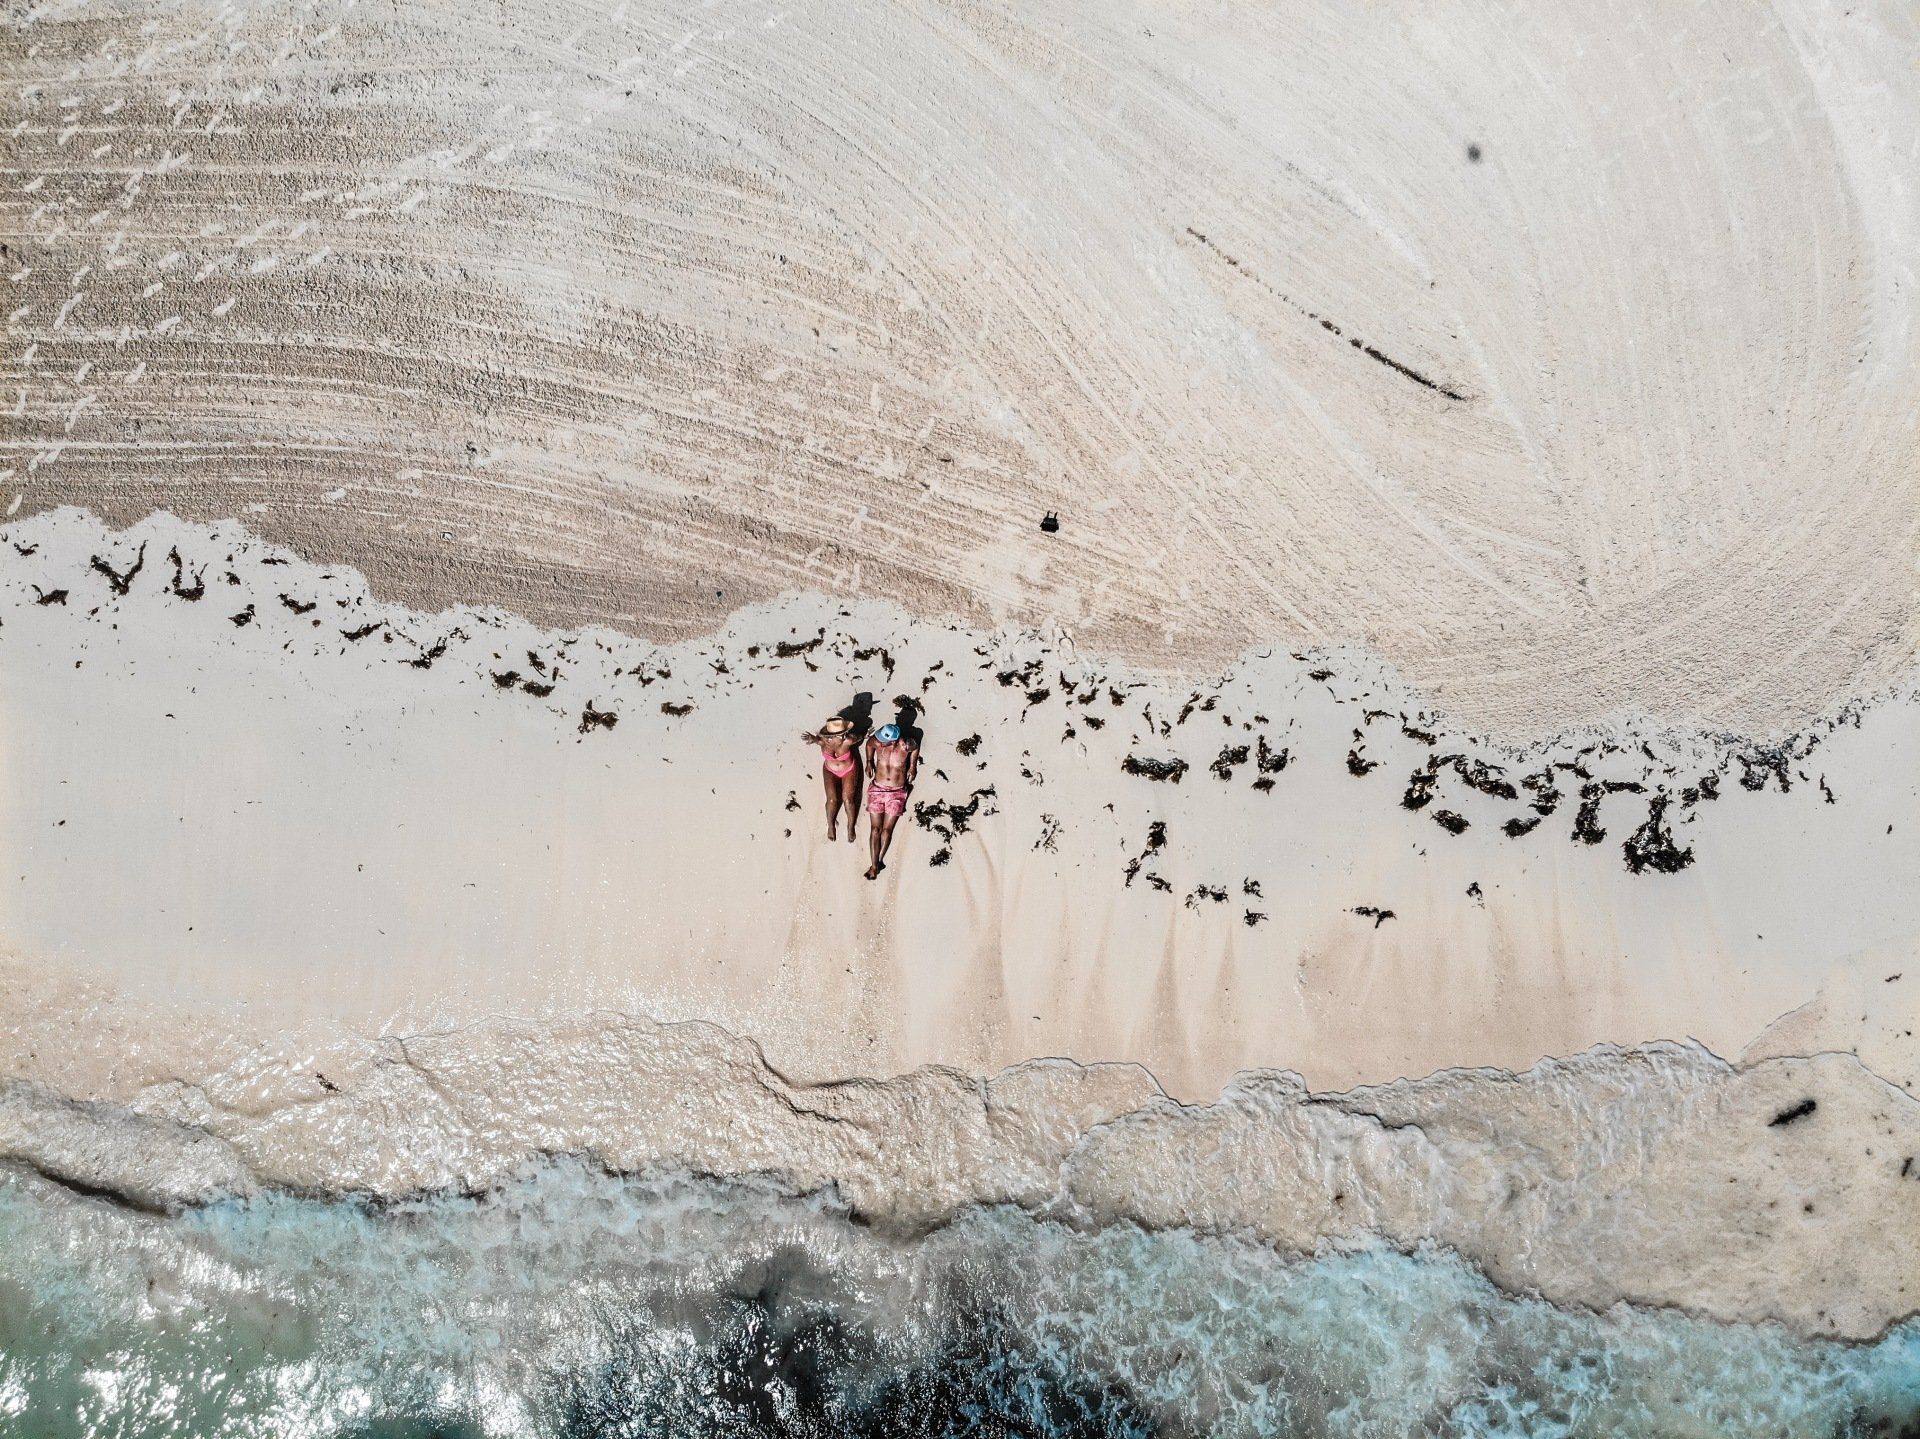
x=840, y=770
x=894, y=763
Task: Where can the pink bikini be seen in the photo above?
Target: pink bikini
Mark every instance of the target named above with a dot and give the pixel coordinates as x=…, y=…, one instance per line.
x=837, y=765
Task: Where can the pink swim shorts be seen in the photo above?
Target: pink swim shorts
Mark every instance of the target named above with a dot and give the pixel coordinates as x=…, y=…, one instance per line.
x=886, y=799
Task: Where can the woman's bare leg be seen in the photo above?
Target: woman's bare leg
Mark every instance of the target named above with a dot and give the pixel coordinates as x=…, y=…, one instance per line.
x=833, y=804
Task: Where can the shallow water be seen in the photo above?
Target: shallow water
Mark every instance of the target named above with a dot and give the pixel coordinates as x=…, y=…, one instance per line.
x=573, y=1303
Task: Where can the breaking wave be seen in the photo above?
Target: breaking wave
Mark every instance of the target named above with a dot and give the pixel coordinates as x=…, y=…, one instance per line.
x=570, y=1302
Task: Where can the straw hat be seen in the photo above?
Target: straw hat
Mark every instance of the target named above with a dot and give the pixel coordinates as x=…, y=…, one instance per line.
x=839, y=724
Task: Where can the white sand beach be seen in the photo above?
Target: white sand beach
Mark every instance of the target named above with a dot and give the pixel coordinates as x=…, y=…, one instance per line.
x=1394, y=532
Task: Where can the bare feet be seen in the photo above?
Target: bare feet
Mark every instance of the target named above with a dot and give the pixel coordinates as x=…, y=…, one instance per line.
x=873, y=870
x=832, y=827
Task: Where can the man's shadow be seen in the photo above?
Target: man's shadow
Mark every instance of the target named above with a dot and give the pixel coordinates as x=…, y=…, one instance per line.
x=906, y=714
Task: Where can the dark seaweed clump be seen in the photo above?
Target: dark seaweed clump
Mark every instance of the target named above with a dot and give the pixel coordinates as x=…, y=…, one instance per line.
x=1168, y=770
x=949, y=820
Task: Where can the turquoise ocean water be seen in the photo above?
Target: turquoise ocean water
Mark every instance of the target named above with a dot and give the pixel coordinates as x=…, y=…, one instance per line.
x=573, y=1303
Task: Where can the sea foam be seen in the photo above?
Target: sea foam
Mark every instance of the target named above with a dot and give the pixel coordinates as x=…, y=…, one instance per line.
x=572, y=1302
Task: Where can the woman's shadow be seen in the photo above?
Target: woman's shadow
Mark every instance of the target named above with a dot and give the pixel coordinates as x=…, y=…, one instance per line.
x=906, y=713
x=859, y=713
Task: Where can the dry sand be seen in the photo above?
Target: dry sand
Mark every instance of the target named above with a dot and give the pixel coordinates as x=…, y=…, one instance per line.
x=1563, y=355
x=285, y=795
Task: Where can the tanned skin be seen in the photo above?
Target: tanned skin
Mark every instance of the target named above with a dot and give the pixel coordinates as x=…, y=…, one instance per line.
x=841, y=788
x=892, y=766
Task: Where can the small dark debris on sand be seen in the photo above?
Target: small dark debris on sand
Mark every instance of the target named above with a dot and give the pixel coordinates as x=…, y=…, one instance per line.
x=886, y=659
x=1168, y=770
x=1707, y=788
x=1758, y=766
x=1253, y=917
x=1449, y=821
x=1374, y=913
x=969, y=745
x=1419, y=792
x=670, y=708
x=591, y=718
x=1586, y=823
x=1477, y=774
x=1514, y=828
x=121, y=581
x=1793, y=1114
x=297, y=606
x=1474, y=892
x=793, y=800
x=178, y=586
x=1651, y=847
x=538, y=690
x=363, y=631
x=1230, y=756
x=424, y=660
x=505, y=679
x=787, y=649
x=49, y=597
x=243, y=619
x=1358, y=765
x=1206, y=891
x=1250, y=886
x=1050, y=523
x=949, y=820
x=1156, y=841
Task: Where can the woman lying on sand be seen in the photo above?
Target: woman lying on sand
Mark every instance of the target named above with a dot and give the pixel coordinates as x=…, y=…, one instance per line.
x=840, y=770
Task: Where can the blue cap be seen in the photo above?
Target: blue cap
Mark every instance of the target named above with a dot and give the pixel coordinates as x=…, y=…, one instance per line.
x=887, y=733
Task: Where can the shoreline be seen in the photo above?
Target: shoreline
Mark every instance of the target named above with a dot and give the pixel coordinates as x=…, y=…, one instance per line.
x=232, y=1010
x=398, y=1119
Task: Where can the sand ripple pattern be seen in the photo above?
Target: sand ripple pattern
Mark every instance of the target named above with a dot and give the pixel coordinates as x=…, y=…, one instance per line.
x=1563, y=354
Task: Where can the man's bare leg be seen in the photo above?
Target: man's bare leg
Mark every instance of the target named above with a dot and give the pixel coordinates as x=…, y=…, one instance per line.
x=882, y=832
